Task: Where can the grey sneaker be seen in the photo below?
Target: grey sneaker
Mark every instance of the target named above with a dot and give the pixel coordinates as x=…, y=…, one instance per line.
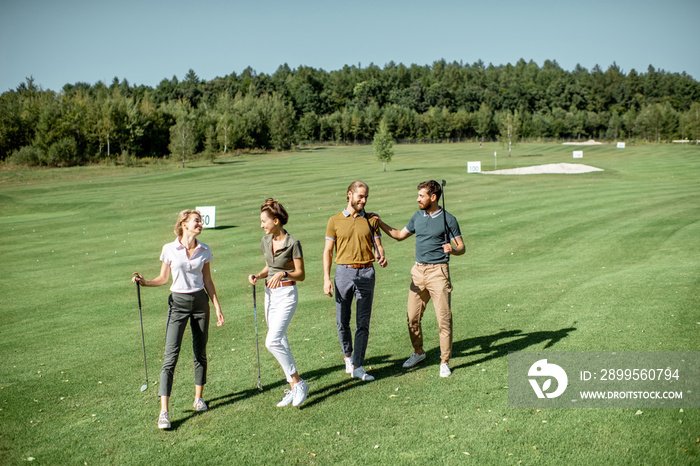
x=348, y=365
x=413, y=360
x=445, y=370
x=360, y=373
x=200, y=405
x=164, y=420
x=300, y=391
x=286, y=399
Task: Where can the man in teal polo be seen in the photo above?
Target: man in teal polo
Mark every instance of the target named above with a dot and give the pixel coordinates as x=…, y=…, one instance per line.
x=436, y=230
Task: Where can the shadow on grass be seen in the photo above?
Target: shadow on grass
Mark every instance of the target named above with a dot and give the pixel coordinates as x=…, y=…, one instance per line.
x=226, y=162
x=319, y=394
x=311, y=149
x=490, y=347
x=478, y=350
x=219, y=402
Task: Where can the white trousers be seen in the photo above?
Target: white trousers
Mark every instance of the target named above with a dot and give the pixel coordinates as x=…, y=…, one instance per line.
x=280, y=304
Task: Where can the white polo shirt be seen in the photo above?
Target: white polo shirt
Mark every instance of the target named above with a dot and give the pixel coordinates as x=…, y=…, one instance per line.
x=187, y=271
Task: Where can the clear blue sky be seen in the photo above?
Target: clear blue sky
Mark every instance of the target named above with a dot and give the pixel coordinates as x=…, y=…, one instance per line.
x=68, y=41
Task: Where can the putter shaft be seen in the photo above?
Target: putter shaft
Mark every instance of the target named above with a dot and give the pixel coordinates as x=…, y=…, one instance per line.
x=257, y=345
x=143, y=340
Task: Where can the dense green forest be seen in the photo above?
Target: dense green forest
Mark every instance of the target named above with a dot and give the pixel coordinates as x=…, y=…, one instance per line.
x=444, y=101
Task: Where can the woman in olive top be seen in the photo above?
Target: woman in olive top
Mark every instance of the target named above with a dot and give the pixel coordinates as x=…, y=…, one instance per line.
x=284, y=267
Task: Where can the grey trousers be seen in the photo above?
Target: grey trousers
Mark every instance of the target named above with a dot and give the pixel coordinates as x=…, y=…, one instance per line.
x=183, y=307
x=357, y=283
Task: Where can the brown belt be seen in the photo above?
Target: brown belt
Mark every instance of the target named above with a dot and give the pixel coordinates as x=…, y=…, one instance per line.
x=357, y=266
x=285, y=283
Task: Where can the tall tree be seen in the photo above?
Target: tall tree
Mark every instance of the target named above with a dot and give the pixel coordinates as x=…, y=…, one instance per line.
x=509, y=126
x=182, y=141
x=484, y=121
x=383, y=144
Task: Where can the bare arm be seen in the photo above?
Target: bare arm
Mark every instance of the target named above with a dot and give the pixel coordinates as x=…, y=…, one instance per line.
x=299, y=272
x=380, y=250
x=398, y=235
x=160, y=280
x=457, y=250
x=327, y=260
x=211, y=291
x=253, y=279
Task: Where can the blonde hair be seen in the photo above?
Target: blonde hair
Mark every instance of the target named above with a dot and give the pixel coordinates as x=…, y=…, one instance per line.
x=182, y=217
x=354, y=186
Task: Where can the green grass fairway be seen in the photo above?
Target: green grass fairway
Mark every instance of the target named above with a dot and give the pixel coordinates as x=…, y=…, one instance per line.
x=606, y=261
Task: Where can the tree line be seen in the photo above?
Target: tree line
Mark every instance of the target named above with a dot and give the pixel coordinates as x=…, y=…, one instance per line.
x=444, y=101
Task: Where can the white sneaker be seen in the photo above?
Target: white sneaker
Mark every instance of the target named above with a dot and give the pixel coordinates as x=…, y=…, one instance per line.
x=348, y=365
x=300, y=391
x=413, y=360
x=200, y=405
x=286, y=399
x=360, y=373
x=445, y=370
x=164, y=420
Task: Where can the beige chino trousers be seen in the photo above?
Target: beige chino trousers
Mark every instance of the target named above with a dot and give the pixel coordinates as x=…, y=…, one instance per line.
x=430, y=281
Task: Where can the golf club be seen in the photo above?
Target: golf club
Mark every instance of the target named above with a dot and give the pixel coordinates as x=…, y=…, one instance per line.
x=144, y=387
x=443, y=183
x=257, y=346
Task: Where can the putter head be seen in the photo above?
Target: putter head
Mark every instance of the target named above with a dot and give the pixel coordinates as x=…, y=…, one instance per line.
x=260, y=385
x=443, y=183
x=144, y=387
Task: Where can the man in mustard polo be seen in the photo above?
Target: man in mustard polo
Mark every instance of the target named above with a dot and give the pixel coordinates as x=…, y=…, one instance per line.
x=354, y=237
x=435, y=230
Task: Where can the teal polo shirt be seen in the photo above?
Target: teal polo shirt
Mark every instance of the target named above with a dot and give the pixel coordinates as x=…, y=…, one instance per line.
x=430, y=235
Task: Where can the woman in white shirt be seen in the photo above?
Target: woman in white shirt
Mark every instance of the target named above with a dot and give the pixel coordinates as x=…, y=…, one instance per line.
x=192, y=287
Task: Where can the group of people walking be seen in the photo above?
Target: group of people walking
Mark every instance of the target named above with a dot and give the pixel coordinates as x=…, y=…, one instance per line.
x=355, y=237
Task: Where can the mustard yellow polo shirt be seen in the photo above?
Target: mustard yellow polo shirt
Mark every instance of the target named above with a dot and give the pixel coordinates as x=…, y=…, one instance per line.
x=353, y=237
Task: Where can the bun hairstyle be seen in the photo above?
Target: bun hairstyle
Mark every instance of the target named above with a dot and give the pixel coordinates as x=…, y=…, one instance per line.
x=275, y=210
x=183, y=217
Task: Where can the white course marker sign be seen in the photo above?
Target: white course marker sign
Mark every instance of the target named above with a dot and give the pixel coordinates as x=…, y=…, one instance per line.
x=578, y=154
x=208, y=216
x=620, y=145
x=473, y=167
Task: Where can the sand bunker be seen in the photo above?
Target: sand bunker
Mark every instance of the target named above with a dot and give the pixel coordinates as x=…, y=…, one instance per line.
x=551, y=168
x=590, y=142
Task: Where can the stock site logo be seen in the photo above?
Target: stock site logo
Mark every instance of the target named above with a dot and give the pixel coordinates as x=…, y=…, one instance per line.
x=542, y=369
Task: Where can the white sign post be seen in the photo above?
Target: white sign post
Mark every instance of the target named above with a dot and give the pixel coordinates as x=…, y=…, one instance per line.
x=495, y=158
x=473, y=167
x=620, y=145
x=208, y=216
x=578, y=154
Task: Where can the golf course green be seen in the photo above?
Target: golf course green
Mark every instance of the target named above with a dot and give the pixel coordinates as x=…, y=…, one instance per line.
x=600, y=261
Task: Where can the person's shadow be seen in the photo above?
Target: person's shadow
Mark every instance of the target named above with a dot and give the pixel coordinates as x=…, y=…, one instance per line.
x=477, y=350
